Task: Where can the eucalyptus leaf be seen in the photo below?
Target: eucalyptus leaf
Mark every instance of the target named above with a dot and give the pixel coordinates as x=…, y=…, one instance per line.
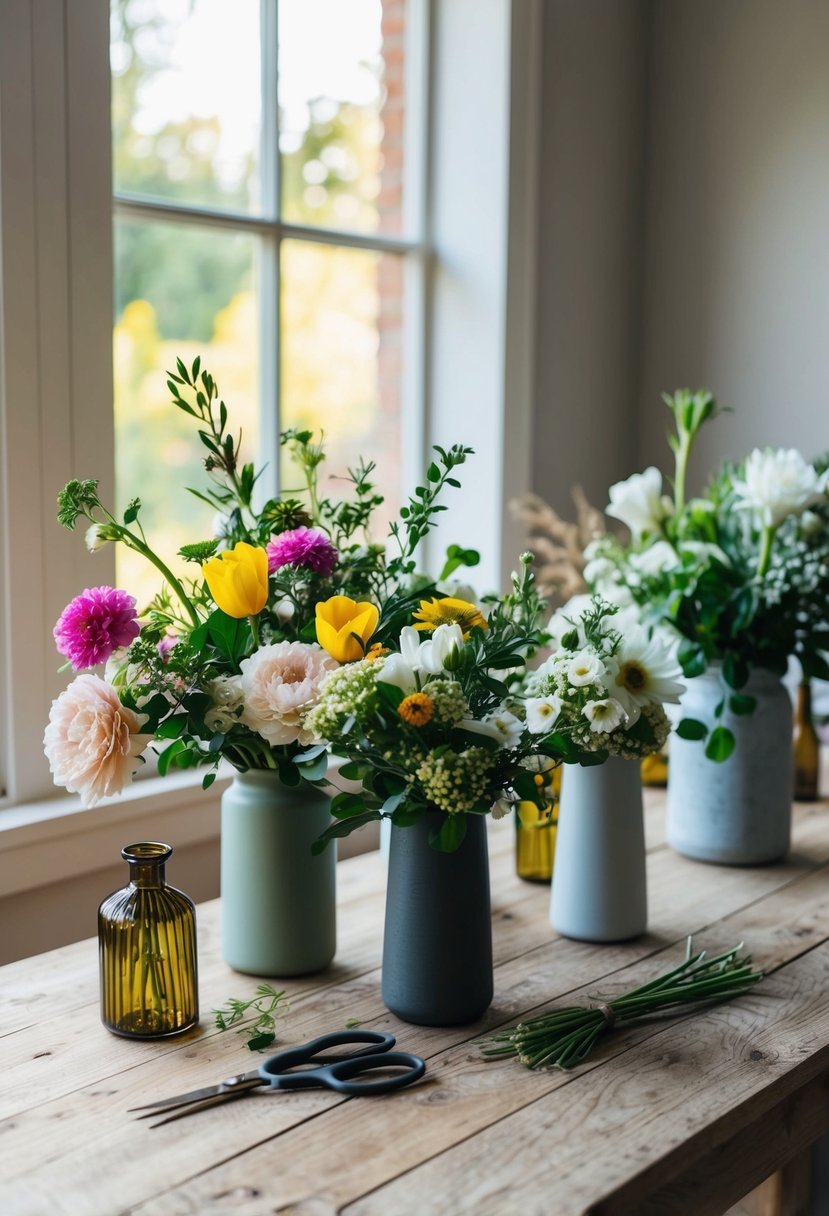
x=720, y=744
x=691, y=728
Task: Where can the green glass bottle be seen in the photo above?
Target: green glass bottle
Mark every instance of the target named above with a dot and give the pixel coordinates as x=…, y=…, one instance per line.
x=147, y=951
x=806, y=745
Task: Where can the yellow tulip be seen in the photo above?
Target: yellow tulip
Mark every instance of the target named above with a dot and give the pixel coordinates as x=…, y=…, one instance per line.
x=238, y=580
x=344, y=626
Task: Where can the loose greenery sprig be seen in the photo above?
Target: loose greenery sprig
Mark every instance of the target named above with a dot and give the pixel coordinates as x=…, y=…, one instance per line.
x=256, y=1017
x=565, y=1037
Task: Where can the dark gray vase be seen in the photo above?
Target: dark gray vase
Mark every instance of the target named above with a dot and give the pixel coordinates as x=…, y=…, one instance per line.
x=437, y=946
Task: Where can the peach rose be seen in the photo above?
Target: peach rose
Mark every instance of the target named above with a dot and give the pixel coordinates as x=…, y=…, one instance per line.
x=92, y=741
x=280, y=684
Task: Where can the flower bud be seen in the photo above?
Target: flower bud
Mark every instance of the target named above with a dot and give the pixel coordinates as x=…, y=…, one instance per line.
x=98, y=535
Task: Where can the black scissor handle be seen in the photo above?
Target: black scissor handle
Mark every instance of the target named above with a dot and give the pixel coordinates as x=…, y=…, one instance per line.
x=345, y=1075
x=374, y=1042
x=339, y=1075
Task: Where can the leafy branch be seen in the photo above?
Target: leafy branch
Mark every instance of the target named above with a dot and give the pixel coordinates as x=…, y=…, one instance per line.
x=419, y=515
x=256, y=1017
x=80, y=499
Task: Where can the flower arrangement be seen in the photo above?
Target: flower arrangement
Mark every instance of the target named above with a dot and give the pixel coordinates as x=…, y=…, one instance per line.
x=431, y=722
x=428, y=725
x=739, y=576
x=228, y=664
x=602, y=691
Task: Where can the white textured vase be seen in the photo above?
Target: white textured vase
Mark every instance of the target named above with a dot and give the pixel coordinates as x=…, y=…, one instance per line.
x=599, y=885
x=738, y=811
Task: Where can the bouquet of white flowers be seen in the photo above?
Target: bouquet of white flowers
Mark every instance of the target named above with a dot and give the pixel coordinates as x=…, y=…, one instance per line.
x=739, y=576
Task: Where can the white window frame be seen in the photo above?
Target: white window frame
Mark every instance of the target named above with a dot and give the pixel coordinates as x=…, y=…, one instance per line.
x=477, y=296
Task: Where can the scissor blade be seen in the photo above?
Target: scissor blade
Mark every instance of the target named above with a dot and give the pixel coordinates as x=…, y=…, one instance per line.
x=191, y=1109
x=248, y=1081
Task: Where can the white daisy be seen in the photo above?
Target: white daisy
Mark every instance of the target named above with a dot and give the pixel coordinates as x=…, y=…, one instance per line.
x=644, y=672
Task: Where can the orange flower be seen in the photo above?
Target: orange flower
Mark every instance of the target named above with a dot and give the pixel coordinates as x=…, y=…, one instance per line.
x=416, y=709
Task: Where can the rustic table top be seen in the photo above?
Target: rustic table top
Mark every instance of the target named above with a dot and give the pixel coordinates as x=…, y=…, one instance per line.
x=677, y=1116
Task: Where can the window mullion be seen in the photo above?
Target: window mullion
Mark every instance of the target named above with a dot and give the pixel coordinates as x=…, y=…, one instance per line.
x=269, y=337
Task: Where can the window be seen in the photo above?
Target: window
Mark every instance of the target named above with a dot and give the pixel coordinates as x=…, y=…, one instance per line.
x=268, y=226
x=445, y=321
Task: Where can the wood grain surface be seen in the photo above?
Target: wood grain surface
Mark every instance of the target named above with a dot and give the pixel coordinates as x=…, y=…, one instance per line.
x=679, y=1116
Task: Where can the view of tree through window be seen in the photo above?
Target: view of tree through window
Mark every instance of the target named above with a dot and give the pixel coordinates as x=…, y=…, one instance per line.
x=199, y=219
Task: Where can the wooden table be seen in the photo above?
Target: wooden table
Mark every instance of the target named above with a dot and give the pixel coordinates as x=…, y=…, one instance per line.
x=680, y=1116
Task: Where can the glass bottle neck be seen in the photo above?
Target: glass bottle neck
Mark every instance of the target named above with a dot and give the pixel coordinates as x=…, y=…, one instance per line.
x=147, y=863
x=147, y=874
x=804, y=702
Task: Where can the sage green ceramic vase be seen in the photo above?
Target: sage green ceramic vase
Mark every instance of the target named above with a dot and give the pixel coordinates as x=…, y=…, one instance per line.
x=278, y=899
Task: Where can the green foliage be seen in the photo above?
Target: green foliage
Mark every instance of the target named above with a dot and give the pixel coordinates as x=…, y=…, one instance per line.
x=75, y=499
x=255, y=1017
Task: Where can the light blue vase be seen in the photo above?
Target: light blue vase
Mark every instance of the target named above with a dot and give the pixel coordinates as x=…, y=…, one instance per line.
x=738, y=811
x=599, y=882
x=278, y=899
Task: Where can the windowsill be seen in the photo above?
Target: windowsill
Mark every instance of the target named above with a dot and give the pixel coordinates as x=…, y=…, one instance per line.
x=41, y=842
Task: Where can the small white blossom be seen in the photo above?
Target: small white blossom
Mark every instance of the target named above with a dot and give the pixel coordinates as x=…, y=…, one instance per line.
x=604, y=716
x=94, y=539
x=586, y=668
x=226, y=694
x=502, y=726
x=777, y=483
x=542, y=713
x=397, y=671
x=639, y=502
x=501, y=808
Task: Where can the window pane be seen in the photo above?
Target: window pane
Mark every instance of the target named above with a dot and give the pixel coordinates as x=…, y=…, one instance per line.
x=342, y=318
x=180, y=292
x=186, y=101
x=342, y=112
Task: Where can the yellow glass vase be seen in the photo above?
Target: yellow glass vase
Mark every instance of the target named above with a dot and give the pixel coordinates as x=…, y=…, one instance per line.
x=147, y=951
x=535, y=835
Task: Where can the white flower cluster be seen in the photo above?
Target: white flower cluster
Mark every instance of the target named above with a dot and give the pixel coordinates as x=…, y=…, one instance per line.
x=603, y=689
x=345, y=693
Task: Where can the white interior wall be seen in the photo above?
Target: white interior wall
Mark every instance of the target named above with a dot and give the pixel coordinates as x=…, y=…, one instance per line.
x=591, y=184
x=737, y=243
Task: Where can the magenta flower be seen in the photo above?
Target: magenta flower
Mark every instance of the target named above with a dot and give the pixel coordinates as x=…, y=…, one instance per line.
x=305, y=547
x=97, y=622
x=166, y=644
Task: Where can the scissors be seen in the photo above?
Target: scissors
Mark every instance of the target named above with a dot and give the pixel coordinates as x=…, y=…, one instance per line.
x=342, y=1072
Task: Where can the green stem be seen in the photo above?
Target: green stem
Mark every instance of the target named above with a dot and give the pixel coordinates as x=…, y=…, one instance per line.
x=682, y=453
x=134, y=542
x=765, y=550
x=254, y=629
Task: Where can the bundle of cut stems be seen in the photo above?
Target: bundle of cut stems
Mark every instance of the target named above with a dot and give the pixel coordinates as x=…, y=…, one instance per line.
x=565, y=1037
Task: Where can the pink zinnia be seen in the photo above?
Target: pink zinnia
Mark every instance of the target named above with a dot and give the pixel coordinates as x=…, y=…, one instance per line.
x=97, y=622
x=305, y=547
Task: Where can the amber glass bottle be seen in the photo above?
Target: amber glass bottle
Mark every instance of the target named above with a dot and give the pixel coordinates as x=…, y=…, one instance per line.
x=806, y=748
x=535, y=836
x=147, y=951
x=655, y=769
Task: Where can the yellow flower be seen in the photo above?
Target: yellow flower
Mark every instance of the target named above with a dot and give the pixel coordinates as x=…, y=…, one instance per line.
x=344, y=626
x=377, y=651
x=416, y=709
x=432, y=613
x=238, y=580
